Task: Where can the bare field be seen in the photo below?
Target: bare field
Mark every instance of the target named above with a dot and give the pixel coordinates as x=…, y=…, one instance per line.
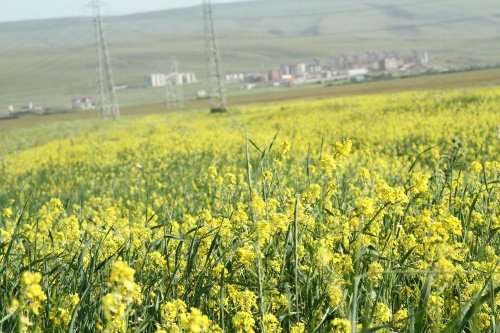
x=479, y=78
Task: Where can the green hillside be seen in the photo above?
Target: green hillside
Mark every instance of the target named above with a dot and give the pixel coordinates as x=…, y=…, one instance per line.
x=51, y=60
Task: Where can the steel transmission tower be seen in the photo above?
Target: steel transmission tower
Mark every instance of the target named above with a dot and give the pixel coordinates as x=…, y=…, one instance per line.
x=107, y=94
x=218, y=101
x=174, y=91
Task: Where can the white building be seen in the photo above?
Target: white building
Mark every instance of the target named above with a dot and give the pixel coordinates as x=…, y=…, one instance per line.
x=235, y=77
x=177, y=79
x=189, y=78
x=301, y=70
x=357, y=72
x=201, y=94
x=161, y=80
x=390, y=64
x=425, y=59
x=82, y=103
x=157, y=80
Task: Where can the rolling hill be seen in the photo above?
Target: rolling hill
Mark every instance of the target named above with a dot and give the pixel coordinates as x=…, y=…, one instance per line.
x=54, y=59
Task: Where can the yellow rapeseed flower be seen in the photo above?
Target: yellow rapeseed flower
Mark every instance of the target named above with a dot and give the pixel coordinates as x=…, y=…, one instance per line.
x=365, y=206
x=340, y=325
x=375, y=271
x=243, y=322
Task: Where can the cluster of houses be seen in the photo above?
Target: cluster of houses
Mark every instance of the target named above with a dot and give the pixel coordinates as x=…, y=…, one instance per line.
x=162, y=79
x=25, y=110
x=80, y=103
x=345, y=66
x=286, y=75
x=338, y=67
x=379, y=61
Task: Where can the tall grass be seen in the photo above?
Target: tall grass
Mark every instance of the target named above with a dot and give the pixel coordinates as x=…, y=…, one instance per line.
x=292, y=230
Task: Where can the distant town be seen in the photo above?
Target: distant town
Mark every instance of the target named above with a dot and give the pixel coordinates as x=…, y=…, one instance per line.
x=352, y=67
x=339, y=67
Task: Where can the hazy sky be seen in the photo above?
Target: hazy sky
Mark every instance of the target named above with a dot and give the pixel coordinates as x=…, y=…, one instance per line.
x=14, y=10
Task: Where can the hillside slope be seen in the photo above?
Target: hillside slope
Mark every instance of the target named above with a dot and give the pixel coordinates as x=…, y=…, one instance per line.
x=337, y=18
x=45, y=57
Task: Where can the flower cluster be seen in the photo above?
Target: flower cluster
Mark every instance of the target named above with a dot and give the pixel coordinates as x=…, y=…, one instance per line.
x=375, y=213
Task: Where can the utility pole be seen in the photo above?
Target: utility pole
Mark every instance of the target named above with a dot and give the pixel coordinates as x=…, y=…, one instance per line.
x=218, y=100
x=174, y=91
x=108, y=101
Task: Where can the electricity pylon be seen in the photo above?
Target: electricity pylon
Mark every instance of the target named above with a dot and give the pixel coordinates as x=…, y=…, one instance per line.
x=218, y=101
x=174, y=91
x=108, y=101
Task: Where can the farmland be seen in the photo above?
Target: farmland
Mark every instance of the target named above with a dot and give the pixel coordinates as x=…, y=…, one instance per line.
x=51, y=61
x=343, y=214
x=154, y=98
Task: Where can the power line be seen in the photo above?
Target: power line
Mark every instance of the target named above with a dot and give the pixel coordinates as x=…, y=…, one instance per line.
x=174, y=93
x=218, y=100
x=107, y=91
x=37, y=66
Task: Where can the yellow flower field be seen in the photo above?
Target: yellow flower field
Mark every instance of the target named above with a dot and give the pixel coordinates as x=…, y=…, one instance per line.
x=357, y=214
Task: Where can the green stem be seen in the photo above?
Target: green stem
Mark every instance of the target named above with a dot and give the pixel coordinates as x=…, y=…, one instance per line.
x=296, y=255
